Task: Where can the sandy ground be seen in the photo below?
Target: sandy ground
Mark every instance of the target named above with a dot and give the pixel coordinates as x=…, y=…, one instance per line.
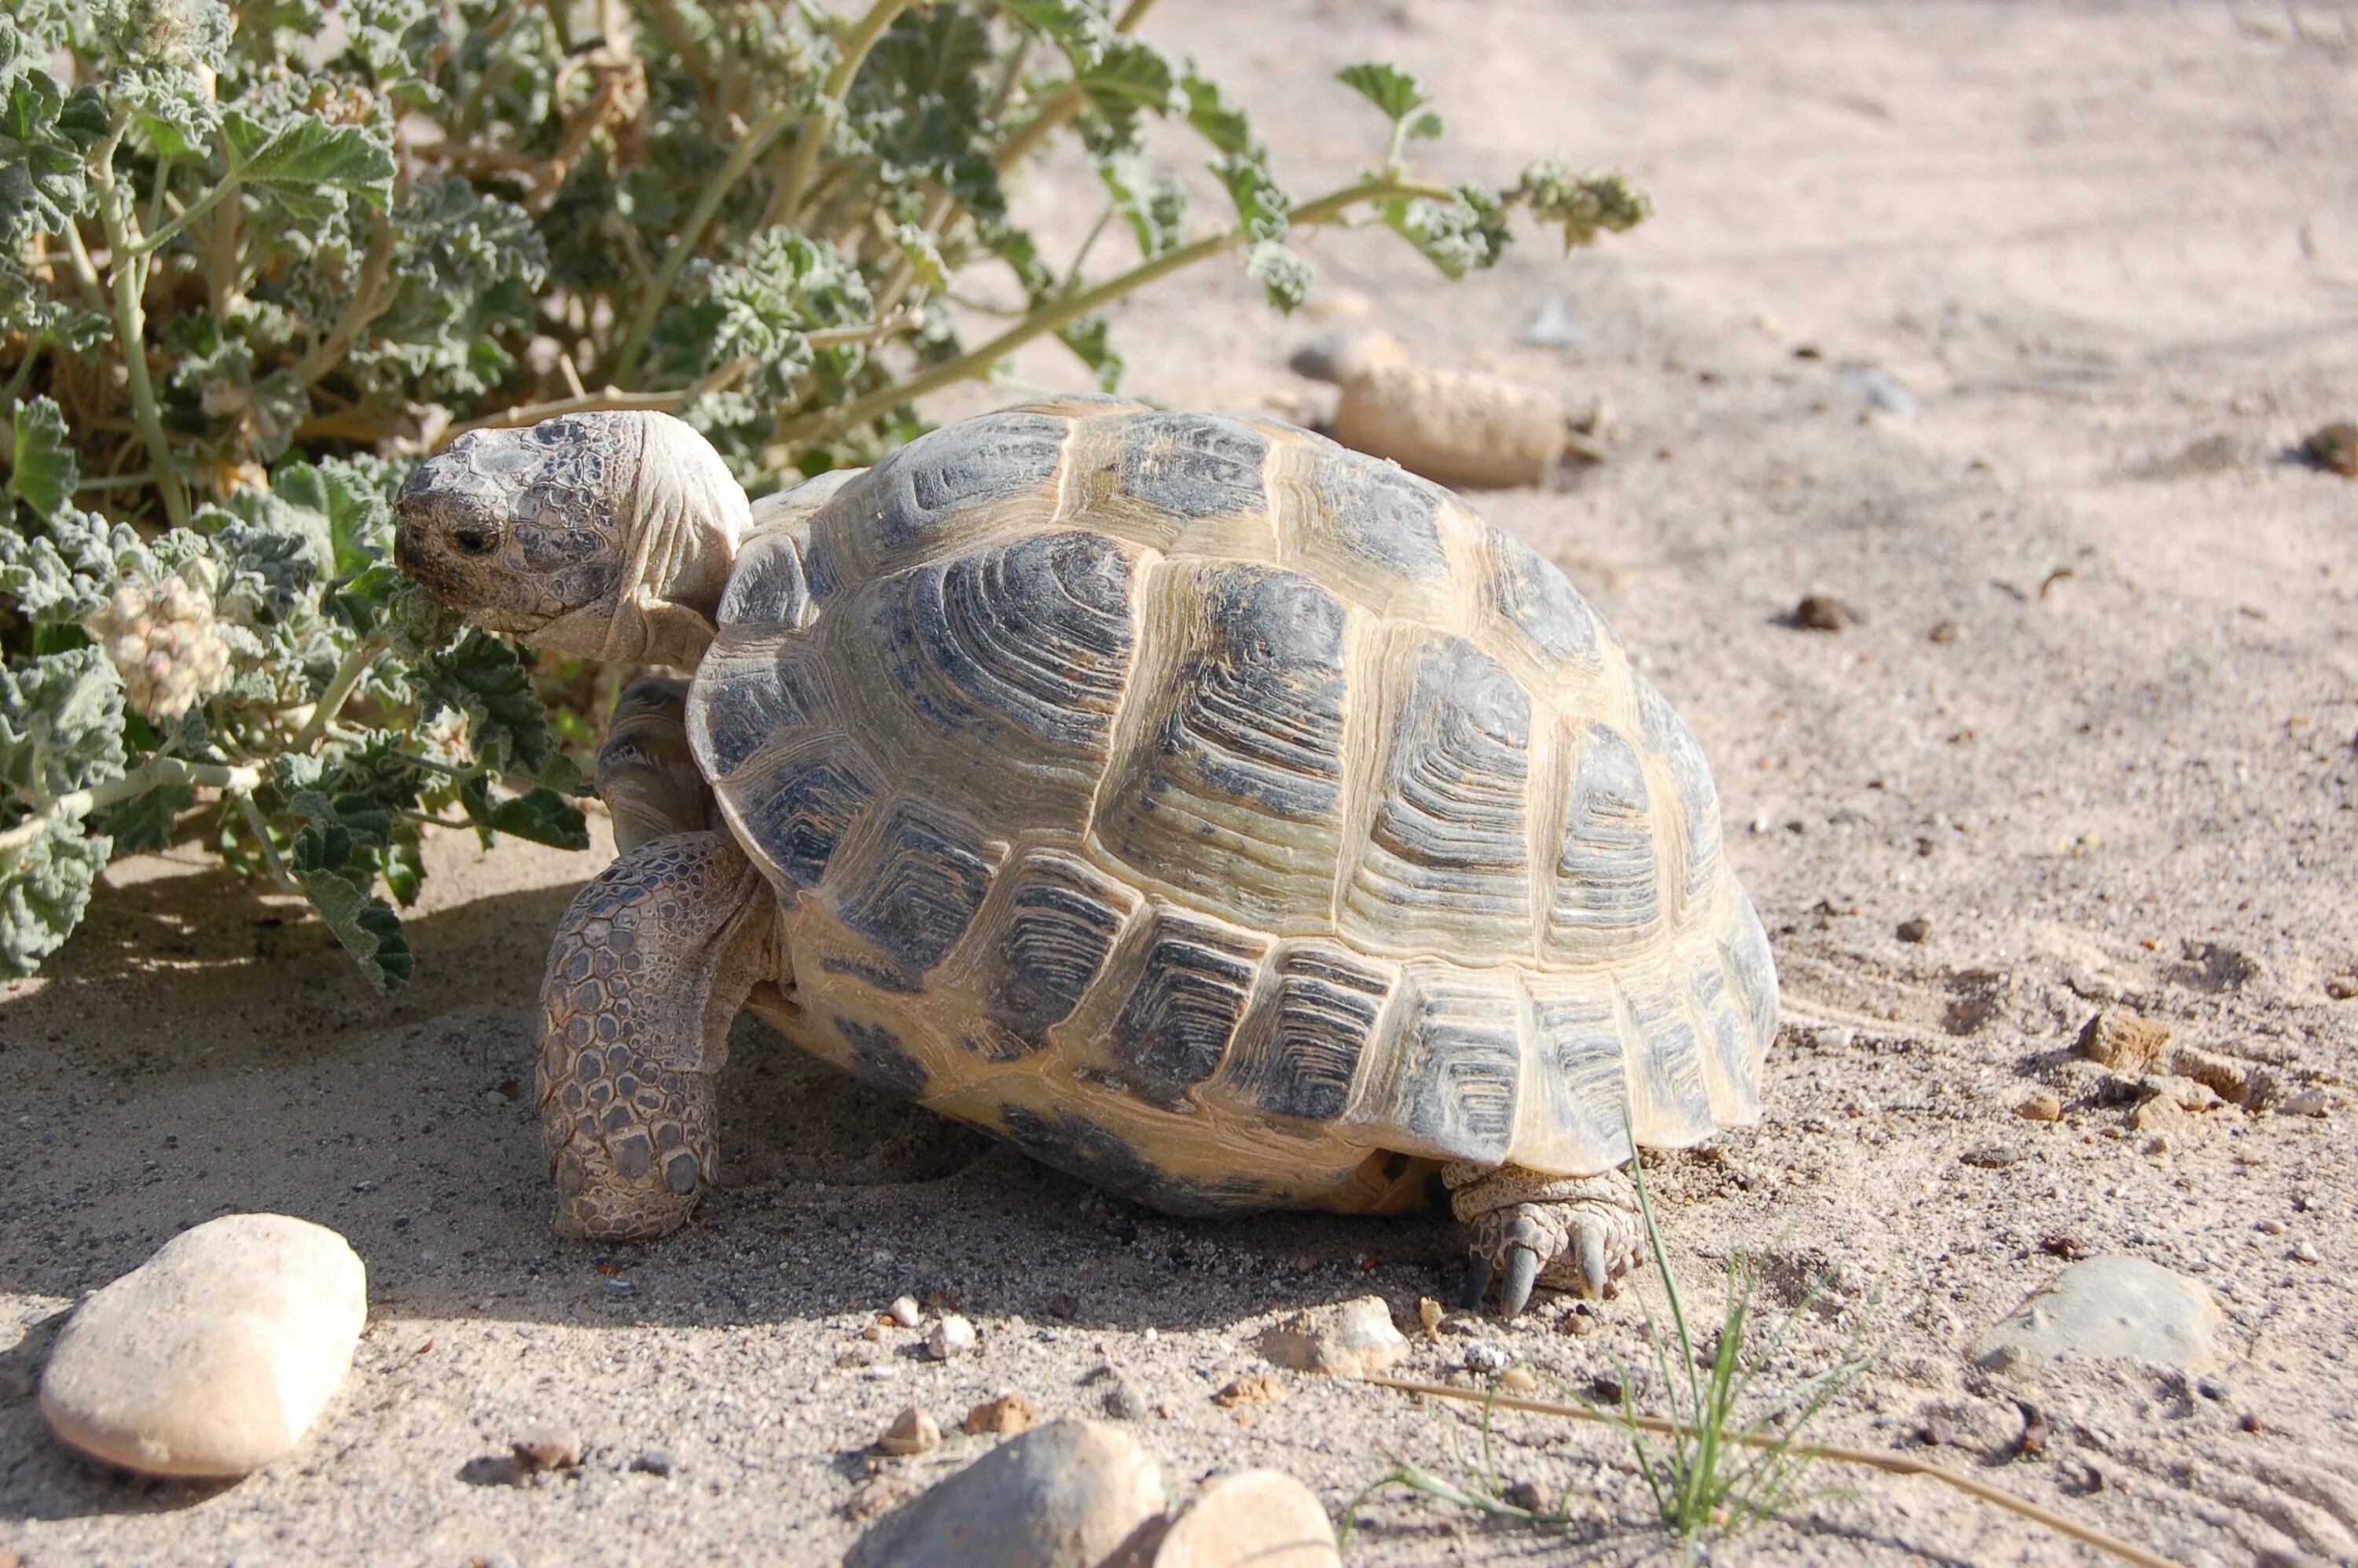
x=2115, y=254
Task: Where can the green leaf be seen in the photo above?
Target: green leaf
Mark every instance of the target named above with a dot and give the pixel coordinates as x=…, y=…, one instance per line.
x=1129, y=79
x=1282, y=274
x=1219, y=118
x=1457, y=236
x=1151, y=201
x=482, y=680
x=340, y=505
x=44, y=887
x=1089, y=338
x=64, y=578
x=539, y=815
x=44, y=471
x=44, y=136
x=144, y=823
x=60, y=725
x=366, y=926
x=1079, y=28
x=923, y=253
x=1263, y=207
x=1395, y=92
x=307, y=163
x=404, y=866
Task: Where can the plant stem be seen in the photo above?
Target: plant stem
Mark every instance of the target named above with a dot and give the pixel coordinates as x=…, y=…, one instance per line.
x=812, y=133
x=138, y=782
x=614, y=400
x=757, y=141
x=1326, y=208
x=1893, y=1464
x=130, y=325
x=364, y=307
x=1060, y=105
x=338, y=691
x=189, y=214
x=261, y=832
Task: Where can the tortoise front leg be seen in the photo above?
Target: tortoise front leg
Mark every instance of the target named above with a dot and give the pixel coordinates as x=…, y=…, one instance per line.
x=1569, y=1232
x=650, y=967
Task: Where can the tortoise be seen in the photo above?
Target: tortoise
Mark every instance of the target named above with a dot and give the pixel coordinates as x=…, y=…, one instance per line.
x=1224, y=817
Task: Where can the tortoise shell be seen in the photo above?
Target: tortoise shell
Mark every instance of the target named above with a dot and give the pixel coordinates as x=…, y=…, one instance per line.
x=1221, y=814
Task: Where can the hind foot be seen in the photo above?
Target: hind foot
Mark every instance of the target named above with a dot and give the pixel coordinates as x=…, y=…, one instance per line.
x=1573, y=1233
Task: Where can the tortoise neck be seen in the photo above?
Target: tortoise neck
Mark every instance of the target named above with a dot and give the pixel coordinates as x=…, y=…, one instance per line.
x=691, y=517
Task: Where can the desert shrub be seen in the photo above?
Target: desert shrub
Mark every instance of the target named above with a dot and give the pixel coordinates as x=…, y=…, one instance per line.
x=257, y=259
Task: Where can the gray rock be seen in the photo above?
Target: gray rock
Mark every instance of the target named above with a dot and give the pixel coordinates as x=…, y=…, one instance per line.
x=216, y=1354
x=1066, y=1495
x=2110, y=1305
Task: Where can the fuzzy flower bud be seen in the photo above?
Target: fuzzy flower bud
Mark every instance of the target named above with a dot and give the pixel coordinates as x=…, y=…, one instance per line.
x=165, y=642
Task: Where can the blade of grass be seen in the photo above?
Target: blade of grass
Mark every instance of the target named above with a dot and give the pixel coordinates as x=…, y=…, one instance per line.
x=1891, y=1464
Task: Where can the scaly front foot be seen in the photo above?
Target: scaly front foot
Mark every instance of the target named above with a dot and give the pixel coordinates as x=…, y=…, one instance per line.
x=1574, y=1233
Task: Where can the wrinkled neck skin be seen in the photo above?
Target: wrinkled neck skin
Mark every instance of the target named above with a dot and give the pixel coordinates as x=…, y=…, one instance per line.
x=685, y=515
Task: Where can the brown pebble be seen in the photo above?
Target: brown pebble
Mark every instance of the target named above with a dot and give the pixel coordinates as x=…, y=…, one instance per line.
x=913, y=1432
x=547, y=1448
x=1428, y=1313
x=879, y=1495
x=17, y=1383
x=1531, y=1496
x=1825, y=612
x=1944, y=632
x=1580, y=1324
x=1251, y=1388
x=1455, y=427
x=2123, y=1040
x=2040, y=1108
x=1005, y=1416
x=2056, y=1244
x=2333, y=447
x=1915, y=931
x=1516, y=1380
x=1064, y=1304
x=2342, y=988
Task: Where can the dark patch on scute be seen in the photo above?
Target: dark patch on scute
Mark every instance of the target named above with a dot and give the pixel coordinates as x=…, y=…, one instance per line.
x=766, y=585
x=930, y=872
x=882, y=1060
x=1262, y=718
x=746, y=710
x=1526, y=587
x=1326, y=1003
x=1382, y=514
x=899, y=982
x=1191, y=991
x=1460, y=1067
x=1607, y=873
x=1079, y=1146
x=1582, y=1052
x=798, y=812
x=1193, y=465
x=910, y=500
x=1063, y=918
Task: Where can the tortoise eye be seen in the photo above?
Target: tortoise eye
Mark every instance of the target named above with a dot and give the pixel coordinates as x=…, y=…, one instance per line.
x=474, y=538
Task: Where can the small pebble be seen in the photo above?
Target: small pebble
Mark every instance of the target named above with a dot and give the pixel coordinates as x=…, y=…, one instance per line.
x=2040, y=1108
x=1531, y=1496
x=1825, y=612
x=1251, y=1388
x=1487, y=1360
x=912, y=1431
x=903, y=1311
x=1915, y=931
x=1991, y=1156
x=2270, y=1227
x=879, y=1495
x=1944, y=632
x=2333, y=448
x=1003, y=1417
x=1123, y=1400
x=2342, y=988
x=953, y=1336
x=547, y=1448
x=2309, y=1102
x=2303, y=1252
x=1428, y=1313
x=655, y=1461
x=1346, y=1340
x=2123, y=1040
x=1516, y=1380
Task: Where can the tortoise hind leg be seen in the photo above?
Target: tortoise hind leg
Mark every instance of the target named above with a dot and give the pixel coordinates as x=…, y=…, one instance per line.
x=650, y=965
x=1569, y=1232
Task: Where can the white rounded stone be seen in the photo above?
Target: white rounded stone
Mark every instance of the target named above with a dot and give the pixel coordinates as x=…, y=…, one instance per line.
x=1257, y=1519
x=216, y=1354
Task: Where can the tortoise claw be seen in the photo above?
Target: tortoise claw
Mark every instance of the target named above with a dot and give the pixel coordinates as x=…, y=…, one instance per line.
x=1590, y=1239
x=1477, y=1282
x=1522, y=1273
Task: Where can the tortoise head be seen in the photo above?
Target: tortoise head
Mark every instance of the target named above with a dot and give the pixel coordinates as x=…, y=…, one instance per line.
x=604, y=535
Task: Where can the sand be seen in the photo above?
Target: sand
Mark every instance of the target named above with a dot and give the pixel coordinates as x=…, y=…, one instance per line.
x=2112, y=254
